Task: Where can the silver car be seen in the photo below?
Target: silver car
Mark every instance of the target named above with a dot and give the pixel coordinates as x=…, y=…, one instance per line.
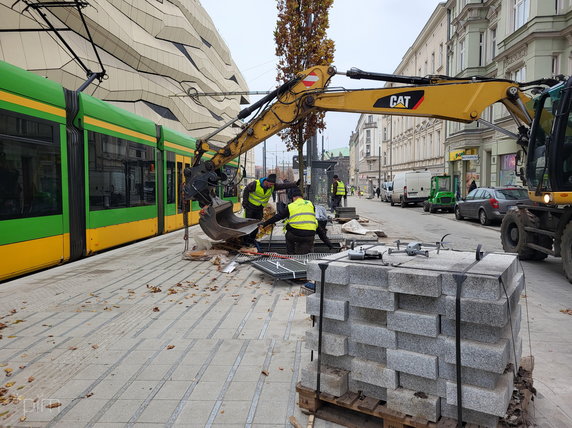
x=488, y=204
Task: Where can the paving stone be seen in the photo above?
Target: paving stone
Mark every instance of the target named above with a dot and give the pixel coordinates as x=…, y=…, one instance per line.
x=367, y=389
x=332, y=380
x=332, y=344
x=367, y=315
x=487, y=312
x=367, y=352
x=413, y=281
x=337, y=272
x=482, y=332
x=491, y=357
x=373, y=373
x=373, y=335
x=429, y=386
x=371, y=296
x=371, y=274
x=411, y=302
x=415, y=343
x=414, y=322
x=412, y=363
x=414, y=404
x=333, y=309
x=494, y=402
x=470, y=376
x=485, y=420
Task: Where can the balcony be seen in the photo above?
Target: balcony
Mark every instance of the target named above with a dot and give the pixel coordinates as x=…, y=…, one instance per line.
x=370, y=124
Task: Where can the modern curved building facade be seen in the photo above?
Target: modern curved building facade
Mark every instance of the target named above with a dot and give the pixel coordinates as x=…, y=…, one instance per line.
x=155, y=53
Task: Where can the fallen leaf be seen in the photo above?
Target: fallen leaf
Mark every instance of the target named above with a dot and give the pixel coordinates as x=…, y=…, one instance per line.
x=221, y=412
x=10, y=384
x=31, y=379
x=95, y=346
x=13, y=311
x=22, y=418
x=8, y=371
x=170, y=346
x=72, y=348
x=18, y=321
x=12, y=337
x=156, y=309
x=21, y=387
x=107, y=308
x=4, y=413
x=2, y=325
x=53, y=405
x=153, y=289
x=566, y=311
x=280, y=368
x=89, y=395
x=265, y=372
x=22, y=367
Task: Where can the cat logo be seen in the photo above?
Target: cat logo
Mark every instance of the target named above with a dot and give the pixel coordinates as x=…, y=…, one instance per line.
x=409, y=100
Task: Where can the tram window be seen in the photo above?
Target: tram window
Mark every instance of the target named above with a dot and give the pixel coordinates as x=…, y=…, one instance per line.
x=30, y=168
x=180, y=185
x=171, y=177
x=121, y=173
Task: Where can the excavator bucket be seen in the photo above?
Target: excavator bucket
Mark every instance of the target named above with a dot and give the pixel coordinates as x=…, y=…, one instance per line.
x=219, y=222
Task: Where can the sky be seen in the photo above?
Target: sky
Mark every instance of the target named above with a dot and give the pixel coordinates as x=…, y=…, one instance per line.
x=372, y=35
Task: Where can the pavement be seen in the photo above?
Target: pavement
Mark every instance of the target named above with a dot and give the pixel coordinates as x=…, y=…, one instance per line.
x=139, y=336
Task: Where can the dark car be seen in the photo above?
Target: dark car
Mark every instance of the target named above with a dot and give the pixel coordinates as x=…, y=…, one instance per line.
x=488, y=204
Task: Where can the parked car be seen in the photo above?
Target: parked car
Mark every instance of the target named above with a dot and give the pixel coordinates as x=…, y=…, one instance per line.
x=488, y=204
x=410, y=187
x=386, y=190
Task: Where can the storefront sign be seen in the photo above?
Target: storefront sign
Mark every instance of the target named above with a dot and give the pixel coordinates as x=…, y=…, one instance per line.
x=469, y=157
x=456, y=155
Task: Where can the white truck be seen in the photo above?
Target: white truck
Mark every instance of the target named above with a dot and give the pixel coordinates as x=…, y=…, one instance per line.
x=410, y=187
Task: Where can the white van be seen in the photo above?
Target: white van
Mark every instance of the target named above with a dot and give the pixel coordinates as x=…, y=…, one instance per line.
x=410, y=187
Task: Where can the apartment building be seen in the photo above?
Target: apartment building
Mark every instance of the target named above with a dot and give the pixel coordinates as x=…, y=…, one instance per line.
x=368, y=155
x=521, y=40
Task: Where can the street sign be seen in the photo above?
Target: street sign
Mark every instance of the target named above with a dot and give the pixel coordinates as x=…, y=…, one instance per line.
x=469, y=157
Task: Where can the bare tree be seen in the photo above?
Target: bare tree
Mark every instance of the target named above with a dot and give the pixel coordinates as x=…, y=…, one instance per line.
x=301, y=43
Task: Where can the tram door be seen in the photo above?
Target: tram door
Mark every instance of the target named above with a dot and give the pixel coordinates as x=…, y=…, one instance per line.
x=182, y=162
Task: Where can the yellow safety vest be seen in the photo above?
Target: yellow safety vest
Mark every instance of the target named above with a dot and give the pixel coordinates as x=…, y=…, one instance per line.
x=260, y=196
x=341, y=190
x=302, y=215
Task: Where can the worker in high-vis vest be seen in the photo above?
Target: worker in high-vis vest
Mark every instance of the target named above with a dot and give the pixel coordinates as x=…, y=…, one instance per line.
x=301, y=224
x=338, y=191
x=257, y=194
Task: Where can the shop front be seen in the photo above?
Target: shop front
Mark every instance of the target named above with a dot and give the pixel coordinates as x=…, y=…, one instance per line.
x=507, y=171
x=464, y=167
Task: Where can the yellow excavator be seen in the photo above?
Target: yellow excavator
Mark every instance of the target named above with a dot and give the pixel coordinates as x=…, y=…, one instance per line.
x=544, y=132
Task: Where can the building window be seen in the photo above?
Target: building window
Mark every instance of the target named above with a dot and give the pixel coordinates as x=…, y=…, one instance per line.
x=384, y=133
x=367, y=136
x=520, y=13
x=30, y=167
x=426, y=69
x=461, y=65
x=481, y=49
x=555, y=65
x=519, y=75
x=440, y=58
x=438, y=141
x=121, y=172
x=433, y=63
x=493, y=43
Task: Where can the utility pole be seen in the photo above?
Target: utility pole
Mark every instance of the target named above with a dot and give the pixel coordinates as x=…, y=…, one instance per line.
x=264, y=159
x=379, y=166
x=322, y=147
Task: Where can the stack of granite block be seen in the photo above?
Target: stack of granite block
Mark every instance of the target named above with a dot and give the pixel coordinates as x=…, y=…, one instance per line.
x=389, y=332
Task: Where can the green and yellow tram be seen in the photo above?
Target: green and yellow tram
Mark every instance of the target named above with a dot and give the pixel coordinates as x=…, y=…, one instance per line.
x=78, y=175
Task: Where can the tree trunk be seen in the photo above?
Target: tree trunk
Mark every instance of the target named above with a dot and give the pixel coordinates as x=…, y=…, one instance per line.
x=301, y=163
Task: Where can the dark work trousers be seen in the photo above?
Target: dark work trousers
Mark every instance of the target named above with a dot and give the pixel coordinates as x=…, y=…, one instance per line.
x=256, y=213
x=299, y=244
x=336, y=202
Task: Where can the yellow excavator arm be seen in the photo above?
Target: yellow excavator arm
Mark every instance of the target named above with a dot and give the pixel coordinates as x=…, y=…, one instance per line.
x=461, y=100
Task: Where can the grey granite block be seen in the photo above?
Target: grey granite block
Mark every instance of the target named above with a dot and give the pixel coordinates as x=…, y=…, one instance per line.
x=414, y=281
x=417, y=383
x=489, y=312
x=482, y=332
x=367, y=389
x=492, y=357
x=413, y=363
x=336, y=273
x=373, y=373
x=332, y=344
x=373, y=335
x=332, y=380
x=429, y=305
x=491, y=401
x=413, y=322
x=470, y=376
x=333, y=309
x=412, y=403
x=371, y=274
x=367, y=315
x=343, y=328
x=341, y=362
x=470, y=416
x=334, y=291
x=373, y=297
x=420, y=344
x=367, y=352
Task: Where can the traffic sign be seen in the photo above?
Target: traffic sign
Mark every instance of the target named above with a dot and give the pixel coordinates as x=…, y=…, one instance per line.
x=310, y=79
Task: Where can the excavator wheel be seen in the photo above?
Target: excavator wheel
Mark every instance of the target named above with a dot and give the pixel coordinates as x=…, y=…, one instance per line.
x=566, y=251
x=426, y=206
x=514, y=238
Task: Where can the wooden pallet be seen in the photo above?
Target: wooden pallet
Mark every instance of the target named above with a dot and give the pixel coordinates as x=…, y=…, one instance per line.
x=359, y=411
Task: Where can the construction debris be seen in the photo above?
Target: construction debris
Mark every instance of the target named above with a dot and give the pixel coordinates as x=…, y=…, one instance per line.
x=203, y=254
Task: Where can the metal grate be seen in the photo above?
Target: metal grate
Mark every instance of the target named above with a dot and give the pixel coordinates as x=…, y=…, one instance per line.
x=293, y=268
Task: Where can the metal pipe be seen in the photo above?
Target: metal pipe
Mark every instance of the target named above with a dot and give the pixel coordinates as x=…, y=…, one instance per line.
x=323, y=267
